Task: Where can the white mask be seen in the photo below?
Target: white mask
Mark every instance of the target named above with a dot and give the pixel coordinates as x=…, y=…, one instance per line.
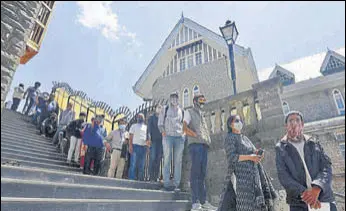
x=201, y=106
x=238, y=126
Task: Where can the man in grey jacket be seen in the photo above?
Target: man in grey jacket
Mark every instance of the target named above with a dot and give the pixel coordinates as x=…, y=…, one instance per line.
x=171, y=126
x=195, y=127
x=66, y=117
x=304, y=169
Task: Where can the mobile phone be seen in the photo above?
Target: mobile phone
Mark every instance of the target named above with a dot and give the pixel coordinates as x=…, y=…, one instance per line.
x=260, y=152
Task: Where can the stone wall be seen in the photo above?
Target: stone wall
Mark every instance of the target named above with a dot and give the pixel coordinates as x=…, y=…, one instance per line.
x=17, y=18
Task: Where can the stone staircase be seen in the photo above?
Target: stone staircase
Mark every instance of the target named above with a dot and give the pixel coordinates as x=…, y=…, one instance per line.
x=34, y=176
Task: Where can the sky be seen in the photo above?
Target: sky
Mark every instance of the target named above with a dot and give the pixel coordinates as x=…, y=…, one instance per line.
x=102, y=48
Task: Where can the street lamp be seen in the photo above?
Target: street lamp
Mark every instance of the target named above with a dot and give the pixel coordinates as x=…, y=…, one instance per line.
x=230, y=34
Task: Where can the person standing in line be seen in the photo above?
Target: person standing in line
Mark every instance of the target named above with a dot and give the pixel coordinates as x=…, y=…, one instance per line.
x=18, y=95
x=65, y=118
x=196, y=129
x=137, y=148
x=154, y=139
x=170, y=124
x=117, y=138
x=31, y=95
x=93, y=138
x=51, y=106
x=304, y=169
x=73, y=130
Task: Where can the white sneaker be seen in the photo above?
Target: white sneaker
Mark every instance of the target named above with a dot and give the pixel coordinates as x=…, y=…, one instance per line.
x=196, y=207
x=208, y=206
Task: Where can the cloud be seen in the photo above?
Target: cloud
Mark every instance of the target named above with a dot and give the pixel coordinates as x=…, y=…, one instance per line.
x=100, y=16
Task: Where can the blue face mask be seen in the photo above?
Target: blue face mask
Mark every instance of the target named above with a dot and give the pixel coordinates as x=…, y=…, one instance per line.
x=122, y=127
x=140, y=120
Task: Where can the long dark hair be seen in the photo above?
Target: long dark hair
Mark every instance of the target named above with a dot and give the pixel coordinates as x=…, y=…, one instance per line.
x=229, y=122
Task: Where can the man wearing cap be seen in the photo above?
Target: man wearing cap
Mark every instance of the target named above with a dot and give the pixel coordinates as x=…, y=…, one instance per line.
x=73, y=129
x=304, y=169
x=137, y=148
x=171, y=126
x=65, y=118
x=117, y=138
x=93, y=138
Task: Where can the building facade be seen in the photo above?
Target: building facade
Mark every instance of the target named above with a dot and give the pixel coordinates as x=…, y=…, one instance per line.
x=23, y=25
x=194, y=59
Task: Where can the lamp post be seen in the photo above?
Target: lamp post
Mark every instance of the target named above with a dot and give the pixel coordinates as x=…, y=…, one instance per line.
x=230, y=34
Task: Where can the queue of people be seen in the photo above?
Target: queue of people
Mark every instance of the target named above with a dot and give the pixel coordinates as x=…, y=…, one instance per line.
x=304, y=169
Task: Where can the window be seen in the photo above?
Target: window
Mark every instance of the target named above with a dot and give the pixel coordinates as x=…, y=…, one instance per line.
x=223, y=120
x=205, y=47
x=175, y=64
x=194, y=35
x=334, y=63
x=195, y=90
x=210, y=53
x=182, y=65
x=171, y=67
x=285, y=107
x=342, y=149
x=258, y=111
x=214, y=54
x=50, y=4
x=181, y=36
x=212, y=120
x=339, y=102
x=167, y=70
x=164, y=73
x=200, y=46
x=234, y=111
x=186, y=98
x=340, y=136
x=190, y=34
x=198, y=58
x=218, y=54
x=179, y=54
x=190, y=61
x=43, y=15
x=246, y=113
x=186, y=34
x=36, y=33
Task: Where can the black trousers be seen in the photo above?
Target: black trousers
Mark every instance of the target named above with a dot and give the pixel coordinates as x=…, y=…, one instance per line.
x=31, y=104
x=15, y=104
x=95, y=154
x=300, y=208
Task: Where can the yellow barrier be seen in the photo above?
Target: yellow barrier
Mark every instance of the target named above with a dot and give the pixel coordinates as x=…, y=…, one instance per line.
x=81, y=105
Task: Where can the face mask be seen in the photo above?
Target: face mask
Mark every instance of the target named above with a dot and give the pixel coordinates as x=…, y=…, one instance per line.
x=158, y=110
x=122, y=127
x=294, y=132
x=174, y=101
x=238, y=126
x=140, y=120
x=201, y=106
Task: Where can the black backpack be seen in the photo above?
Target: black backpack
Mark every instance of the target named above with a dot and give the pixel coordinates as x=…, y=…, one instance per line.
x=166, y=109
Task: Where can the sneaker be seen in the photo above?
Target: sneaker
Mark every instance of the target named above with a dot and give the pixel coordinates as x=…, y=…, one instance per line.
x=196, y=207
x=208, y=206
x=177, y=190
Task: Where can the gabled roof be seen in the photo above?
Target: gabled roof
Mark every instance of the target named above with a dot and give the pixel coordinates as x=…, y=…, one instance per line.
x=206, y=33
x=303, y=68
x=331, y=53
x=281, y=69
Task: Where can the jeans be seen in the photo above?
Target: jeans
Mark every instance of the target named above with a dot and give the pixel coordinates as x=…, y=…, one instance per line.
x=74, y=148
x=175, y=143
x=199, y=159
x=56, y=135
x=156, y=151
x=15, y=104
x=93, y=154
x=137, y=162
x=299, y=208
x=31, y=102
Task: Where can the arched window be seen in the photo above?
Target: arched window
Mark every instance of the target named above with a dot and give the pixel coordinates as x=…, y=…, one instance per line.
x=246, y=113
x=339, y=102
x=258, y=111
x=195, y=90
x=285, y=107
x=212, y=121
x=186, y=98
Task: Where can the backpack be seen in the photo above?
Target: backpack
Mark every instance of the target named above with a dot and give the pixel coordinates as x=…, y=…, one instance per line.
x=166, y=109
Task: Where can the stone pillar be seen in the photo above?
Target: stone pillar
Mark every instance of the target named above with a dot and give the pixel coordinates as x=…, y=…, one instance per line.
x=17, y=21
x=268, y=93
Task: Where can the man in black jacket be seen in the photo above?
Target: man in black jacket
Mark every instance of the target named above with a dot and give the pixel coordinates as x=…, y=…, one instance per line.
x=304, y=169
x=73, y=130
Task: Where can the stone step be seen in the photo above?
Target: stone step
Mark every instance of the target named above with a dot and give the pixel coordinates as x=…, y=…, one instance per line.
x=71, y=178
x=17, y=140
x=28, y=158
x=40, y=165
x=52, y=204
x=42, y=154
x=17, y=122
x=32, y=137
x=41, y=189
x=29, y=148
x=24, y=130
x=33, y=145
